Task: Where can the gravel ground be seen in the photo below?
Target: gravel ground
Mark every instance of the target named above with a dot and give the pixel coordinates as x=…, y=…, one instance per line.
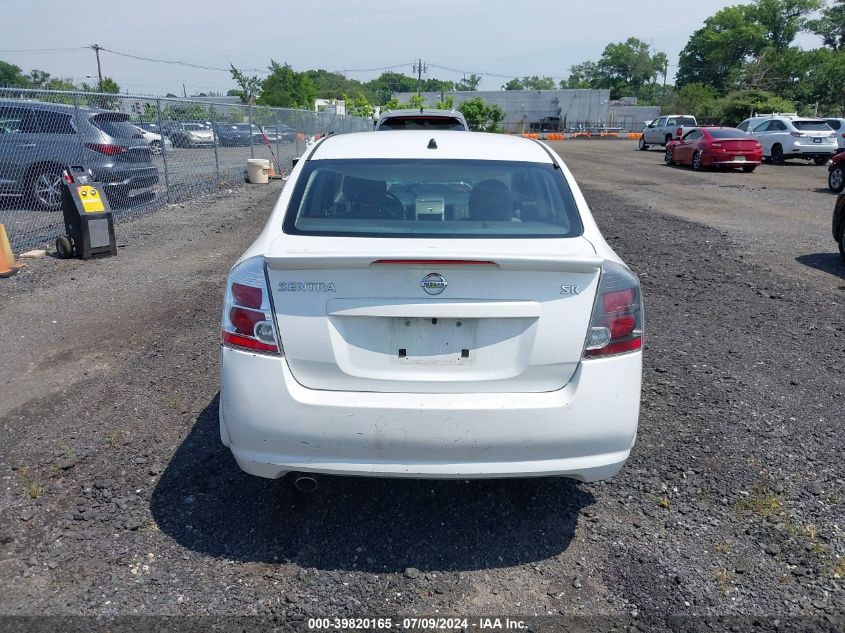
x=118, y=499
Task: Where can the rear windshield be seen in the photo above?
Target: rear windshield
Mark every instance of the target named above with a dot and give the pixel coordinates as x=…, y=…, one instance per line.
x=421, y=123
x=811, y=126
x=432, y=198
x=115, y=125
x=730, y=132
x=682, y=121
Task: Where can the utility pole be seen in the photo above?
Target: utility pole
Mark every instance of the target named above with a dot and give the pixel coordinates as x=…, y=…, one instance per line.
x=97, y=49
x=419, y=68
x=184, y=92
x=663, y=93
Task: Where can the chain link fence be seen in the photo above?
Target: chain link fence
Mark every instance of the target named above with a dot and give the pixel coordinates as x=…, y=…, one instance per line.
x=146, y=151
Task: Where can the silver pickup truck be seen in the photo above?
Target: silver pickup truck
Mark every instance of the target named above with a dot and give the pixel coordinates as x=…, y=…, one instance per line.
x=665, y=128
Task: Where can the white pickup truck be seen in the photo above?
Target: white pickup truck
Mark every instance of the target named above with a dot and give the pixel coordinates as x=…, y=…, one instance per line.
x=665, y=128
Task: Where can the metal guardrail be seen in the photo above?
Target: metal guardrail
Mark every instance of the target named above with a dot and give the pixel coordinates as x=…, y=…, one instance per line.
x=148, y=151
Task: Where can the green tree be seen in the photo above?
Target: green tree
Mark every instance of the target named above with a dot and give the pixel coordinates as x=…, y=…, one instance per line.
x=831, y=26
x=468, y=83
x=514, y=84
x=697, y=99
x=538, y=83
x=331, y=85
x=741, y=104
x=359, y=106
x=12, y=76
x=286, y=88
x=480, y=116
x=583, y=75
x=625, y=67
x=248, y=88
x=447, y=104
x=714, y=54
x=783, y=19
x=388, y=83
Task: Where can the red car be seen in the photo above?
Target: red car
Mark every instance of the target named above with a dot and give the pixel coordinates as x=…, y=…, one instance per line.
x=715, y=147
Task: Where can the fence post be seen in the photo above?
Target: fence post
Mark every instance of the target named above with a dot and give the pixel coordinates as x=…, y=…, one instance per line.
x=249, y=122
x=78, y=127
x=216, y=142
x=163, y=153
x=278, y=131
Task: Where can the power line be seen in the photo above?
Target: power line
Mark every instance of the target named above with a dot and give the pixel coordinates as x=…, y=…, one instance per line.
x=177, y=62
x=37, y=51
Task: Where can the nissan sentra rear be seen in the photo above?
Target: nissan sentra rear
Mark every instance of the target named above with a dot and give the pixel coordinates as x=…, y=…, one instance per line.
x=431, y=305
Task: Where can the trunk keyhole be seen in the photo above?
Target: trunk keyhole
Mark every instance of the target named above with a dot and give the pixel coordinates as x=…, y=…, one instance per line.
x=434, y=321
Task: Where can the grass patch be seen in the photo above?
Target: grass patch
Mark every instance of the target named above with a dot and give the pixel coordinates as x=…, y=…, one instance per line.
x=114, y=439
x=34, y=490
x=724, y=579
x=762, y=502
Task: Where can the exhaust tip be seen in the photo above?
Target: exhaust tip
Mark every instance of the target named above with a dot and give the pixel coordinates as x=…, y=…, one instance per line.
x=305, y=483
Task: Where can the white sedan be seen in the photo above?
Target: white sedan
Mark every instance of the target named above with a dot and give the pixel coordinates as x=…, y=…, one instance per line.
x=431, y=304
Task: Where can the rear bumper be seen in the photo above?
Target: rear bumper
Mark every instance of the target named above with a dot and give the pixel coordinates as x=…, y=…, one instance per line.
x=128, y=179
x=274, y=425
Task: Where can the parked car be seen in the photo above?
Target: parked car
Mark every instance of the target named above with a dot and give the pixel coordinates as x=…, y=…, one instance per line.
x=421, y=119
x=838, y=126
x=38, y=140
x=839, y=225
x=750, y=123
x=703, y=147
x=275, y=134
x=190, y=134
x=785, y=137
x=232, y=134
x=836, y=173
x=156, y=141
x=400, y=315
x=664, y=129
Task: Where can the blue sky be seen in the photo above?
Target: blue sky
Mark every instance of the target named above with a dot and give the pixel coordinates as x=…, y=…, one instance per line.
x=507, y=38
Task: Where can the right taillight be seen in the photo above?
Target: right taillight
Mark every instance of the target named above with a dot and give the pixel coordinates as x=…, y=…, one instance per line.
x=247, y=315
x=616, y=325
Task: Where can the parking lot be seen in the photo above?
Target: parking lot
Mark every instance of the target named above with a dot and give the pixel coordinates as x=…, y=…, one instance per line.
x=119, y=499
x=188, y=172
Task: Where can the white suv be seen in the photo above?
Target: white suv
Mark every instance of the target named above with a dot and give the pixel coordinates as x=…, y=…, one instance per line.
x=431, y=304
x=785, y=137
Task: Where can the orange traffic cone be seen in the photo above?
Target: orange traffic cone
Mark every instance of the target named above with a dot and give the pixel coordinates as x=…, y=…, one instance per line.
x=8, y=265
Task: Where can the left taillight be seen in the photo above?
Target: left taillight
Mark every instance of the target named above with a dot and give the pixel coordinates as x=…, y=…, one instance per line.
x=616, y=325
x=247, y=316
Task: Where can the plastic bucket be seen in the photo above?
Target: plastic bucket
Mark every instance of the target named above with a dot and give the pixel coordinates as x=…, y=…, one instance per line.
x=258, y=170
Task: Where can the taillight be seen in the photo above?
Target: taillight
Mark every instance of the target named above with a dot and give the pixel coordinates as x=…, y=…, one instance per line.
x=716, y=145
x=247, y=316
x=616, y=326
x=797, y=134
x=107, y=149
x=679, y=132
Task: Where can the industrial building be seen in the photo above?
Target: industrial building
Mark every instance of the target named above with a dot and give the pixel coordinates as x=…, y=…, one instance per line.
x=554, y=110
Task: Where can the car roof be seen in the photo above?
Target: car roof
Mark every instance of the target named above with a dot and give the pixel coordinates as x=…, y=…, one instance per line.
x=43, y=105
x=414, y=144
x=420, y=111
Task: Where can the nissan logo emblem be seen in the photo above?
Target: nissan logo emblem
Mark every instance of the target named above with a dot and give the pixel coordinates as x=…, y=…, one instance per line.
x=434, y=283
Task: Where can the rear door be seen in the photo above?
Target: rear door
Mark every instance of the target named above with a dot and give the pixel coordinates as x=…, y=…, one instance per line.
x=763, y=133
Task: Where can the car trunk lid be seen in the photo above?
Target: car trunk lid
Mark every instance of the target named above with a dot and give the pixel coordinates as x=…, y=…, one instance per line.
x=427, y=315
